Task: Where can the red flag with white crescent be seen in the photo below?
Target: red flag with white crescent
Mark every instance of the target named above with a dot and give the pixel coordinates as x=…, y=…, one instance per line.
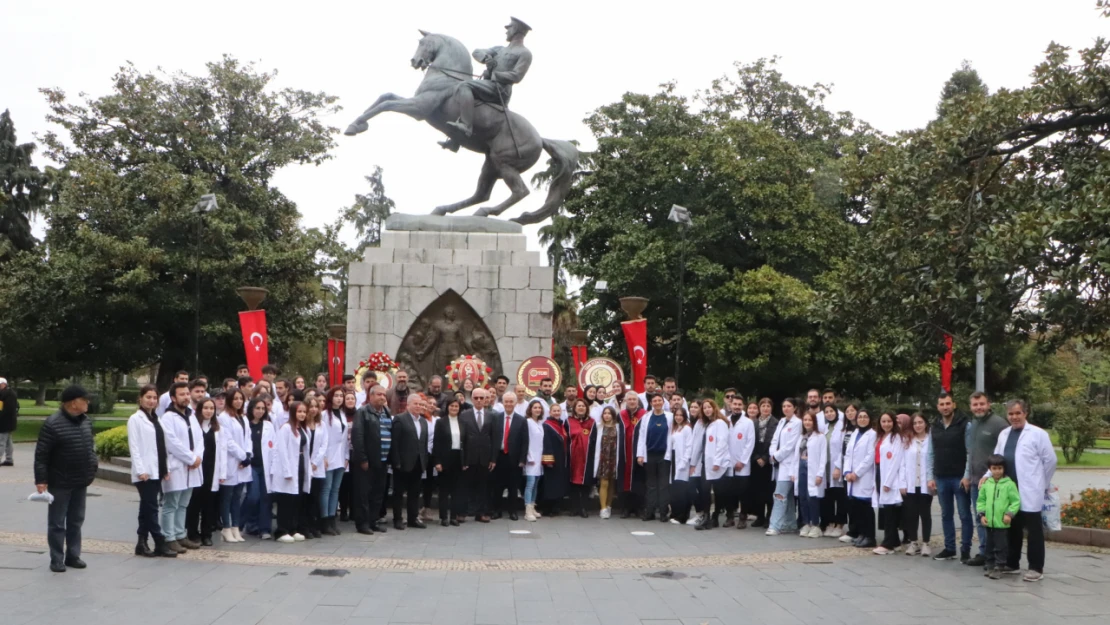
x=946, y=365
x=256, y=342
x=635, y=335
x=332, y=345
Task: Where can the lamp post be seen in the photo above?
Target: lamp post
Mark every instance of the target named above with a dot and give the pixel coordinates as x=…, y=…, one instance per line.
x=252, y=296
x=680, y=216
x=206, y=204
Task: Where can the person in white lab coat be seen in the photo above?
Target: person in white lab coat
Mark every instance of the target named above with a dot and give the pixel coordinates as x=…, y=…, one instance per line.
x=887, y=497
x=147, y=444
x=1031, y=462
x=784, y=517
x=185, y=451
x=200, y=517
x=917, y=500
x=834, y=505
x=535, y=413
x=859, y=474
x=257, y=515
x=237, y=430
x=287, y=474
x=811, y=457
x=697, y=462
x=336, y=459
x=681, y=448
x=316, y=449
x=741, y=444
x=164, y=400
x=715, y=463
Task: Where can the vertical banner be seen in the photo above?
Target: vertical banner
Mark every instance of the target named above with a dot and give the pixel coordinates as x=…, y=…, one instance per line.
x=946, y=365
x=578, y=355
x=256, y=343
x=332, y=377
x=635, y=335
x=340, y=360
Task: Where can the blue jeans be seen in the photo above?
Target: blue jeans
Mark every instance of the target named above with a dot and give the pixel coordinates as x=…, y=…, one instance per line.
x=980, y=530
x=809, y=507
x=174, y=506
x=530, y=483
x=231, y=503
x=949, y=489
x=329, y=495
x=257, y=516
x=784, y=518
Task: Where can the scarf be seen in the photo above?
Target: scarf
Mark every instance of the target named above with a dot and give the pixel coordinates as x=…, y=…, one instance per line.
x=160, y=443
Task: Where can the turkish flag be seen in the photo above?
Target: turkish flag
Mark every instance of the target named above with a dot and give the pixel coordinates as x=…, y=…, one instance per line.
x=333, y=372
x=635, y=335
x=340, y=361
x=578, y=355
x=946, y=365
x=256, y=342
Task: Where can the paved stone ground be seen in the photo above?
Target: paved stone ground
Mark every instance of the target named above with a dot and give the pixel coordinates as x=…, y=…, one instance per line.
x=567, y=571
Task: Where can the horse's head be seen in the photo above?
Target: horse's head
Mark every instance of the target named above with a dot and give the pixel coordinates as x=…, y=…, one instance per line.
x=426, y=50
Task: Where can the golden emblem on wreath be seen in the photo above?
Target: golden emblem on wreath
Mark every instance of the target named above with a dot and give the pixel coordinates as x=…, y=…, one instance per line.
x=383, y=367
x=599, y=372
x=533, y=370
x=468, y=367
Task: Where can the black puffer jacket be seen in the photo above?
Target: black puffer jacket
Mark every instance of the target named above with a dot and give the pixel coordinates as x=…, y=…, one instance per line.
x=65, y=456
x=9, y=408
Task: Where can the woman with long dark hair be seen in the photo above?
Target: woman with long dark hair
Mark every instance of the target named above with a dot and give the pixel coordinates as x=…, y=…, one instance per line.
x=257, y=515
x=350, y=408
x=784, y=517
x=607, y=458
x=147, y=443
x=697, y=462
x=715, y=463
x=288, y=473
x=236, y=429
x=200, y=516
x=316, y=449
x=579, y=428
x=681, y=448
x=888, y=480
x=336, y=458
x=448, y=451
x=555, y=470
x=917, y=501
x=763, y=472
x=859, y=473
x=533, y=464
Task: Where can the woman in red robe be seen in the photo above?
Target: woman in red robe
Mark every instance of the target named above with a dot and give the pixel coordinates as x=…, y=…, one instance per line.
x=579, y=427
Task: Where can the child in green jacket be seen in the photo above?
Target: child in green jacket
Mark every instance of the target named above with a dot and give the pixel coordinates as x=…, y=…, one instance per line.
x=998, y=502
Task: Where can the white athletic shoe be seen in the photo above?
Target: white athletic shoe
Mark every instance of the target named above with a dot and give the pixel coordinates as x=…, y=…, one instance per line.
x=815, y=532
x=694, y=520
x=299, y=537
x=286, y=538
x=771, y=532
x=606, y=513
x=804, y=532
x=882, y=551
x=926, y=551
x=845, y=539
x=837, y=533
x=828, y=533
x=911, y=549
x=265, y=537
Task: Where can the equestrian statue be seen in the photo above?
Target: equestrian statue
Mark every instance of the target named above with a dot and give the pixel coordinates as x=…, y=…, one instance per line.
x=473, y=112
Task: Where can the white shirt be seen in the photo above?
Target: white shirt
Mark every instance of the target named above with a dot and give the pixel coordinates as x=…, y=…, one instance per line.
x=456, y=437
x=163, y=403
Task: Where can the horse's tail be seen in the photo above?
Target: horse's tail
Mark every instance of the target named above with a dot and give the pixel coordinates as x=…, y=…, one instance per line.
x=564, y=161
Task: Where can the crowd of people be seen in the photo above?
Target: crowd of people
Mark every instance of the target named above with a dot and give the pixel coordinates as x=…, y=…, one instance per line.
x=219, y=460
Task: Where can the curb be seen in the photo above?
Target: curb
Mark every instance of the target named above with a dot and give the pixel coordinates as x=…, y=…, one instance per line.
x=1082, y=536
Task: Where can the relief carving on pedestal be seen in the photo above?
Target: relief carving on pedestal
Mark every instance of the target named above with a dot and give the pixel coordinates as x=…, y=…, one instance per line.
x=446, y=329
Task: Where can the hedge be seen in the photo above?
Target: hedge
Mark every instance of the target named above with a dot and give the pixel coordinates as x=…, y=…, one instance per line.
x=112, y=442
x=126, y=395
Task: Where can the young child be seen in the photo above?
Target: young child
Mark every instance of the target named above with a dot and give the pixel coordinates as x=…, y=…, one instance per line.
x=998, y=503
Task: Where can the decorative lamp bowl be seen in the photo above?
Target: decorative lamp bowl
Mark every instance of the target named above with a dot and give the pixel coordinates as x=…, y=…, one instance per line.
x=634, y=306
x=252, y=296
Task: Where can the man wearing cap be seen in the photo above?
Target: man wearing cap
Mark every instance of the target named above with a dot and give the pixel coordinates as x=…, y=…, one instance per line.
x=9, y=410
x=505, y=67
x=65, y=465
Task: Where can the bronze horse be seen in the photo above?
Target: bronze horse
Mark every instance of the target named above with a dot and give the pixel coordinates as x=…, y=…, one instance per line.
x=509, y=150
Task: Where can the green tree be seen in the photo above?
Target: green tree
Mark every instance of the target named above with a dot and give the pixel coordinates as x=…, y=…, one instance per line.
x=964, y=83
x=136, y=162
x=22, y=190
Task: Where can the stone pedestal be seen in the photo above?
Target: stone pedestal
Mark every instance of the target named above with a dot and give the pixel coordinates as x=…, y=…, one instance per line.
x=425, y=263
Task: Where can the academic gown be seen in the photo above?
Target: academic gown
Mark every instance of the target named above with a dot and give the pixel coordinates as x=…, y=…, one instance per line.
x=556, y=477
x=632, y=481
x=578, y=435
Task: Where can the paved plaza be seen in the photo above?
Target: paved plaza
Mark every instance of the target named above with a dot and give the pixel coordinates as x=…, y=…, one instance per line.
x=565, y=571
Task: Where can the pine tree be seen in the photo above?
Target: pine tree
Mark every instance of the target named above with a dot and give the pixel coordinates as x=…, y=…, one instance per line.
x=964, y=82
x=21, y=190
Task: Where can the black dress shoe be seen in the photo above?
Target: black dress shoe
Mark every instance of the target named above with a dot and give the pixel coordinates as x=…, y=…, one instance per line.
x=627, y=514
x=759, y=523
x=57, y=567
x=513, y=516
x=455, y=522
x=418, y=524
x=76, y=563
x=343, y=518
x=663, y=518
x=483, y=519
x=397, y=525
x=648, y=517
x=495, y=516
x=378, y=527
x=582, y=513
x=445, y=523
x=206, y=541
x=365, y=531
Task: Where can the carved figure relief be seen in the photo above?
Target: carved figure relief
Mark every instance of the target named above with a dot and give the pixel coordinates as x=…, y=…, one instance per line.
x=446, y=329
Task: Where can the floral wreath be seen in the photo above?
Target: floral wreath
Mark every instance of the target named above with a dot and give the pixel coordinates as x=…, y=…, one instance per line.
x=377, y=362
x=457, y=367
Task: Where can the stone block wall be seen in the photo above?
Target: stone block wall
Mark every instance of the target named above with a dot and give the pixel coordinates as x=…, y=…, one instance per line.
x=494, y=273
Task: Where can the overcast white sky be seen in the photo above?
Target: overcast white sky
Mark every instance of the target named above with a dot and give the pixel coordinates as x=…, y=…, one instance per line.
x=886, y=59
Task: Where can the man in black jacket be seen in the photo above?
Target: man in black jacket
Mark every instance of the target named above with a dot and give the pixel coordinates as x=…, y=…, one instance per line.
x=410, y=460
x=477, y=425
x=370, y=452
x=9, y=409
x=510, y=448
x=65, y=465
x=949, y=450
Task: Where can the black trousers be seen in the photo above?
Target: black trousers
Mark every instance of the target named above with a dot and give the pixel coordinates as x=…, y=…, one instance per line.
x=891, y=517
x=834, y=506
x=763, y=491
x=407, y=483
x=657, y=495
x=430, y=483
x=712, y=490
x=476, y=479
x=506, y=476
x=737, y=492
x=680, y=500
x=863, y=516
x=998, y=549
x=202, y=514
x=148, y=509
x=452, y=491
x=310, y=506
x=288, y=512
x=64, y=518
x=1031, y=523
x=579, y=495
x=917, y=510
x=345, y=490
x=697, y=485
x=367, y=495
x=387, y=488
x=632, y=501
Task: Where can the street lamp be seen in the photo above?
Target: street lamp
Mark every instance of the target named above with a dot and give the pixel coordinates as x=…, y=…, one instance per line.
x=681, y=216
x=206, y=203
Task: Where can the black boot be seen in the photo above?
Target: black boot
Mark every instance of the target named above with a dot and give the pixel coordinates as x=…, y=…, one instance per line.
x=163, y=550
x=335, y=526
x=326, y=526
x=343, y=518
x=706, y=523
x=141, y=548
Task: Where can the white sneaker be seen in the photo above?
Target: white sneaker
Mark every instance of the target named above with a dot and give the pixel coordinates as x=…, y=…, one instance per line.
x=837, y=533
x=287, y=539
x=845, y=538
x=606, y=513
x=911, y=549
x=266, y=537
x=676, y=522
x=926, y=551
x=771, y=532
x=829, y=531
x=804, y=532
x=299, y=537
x=882, y=551
x=694, y=520
x=815, y=532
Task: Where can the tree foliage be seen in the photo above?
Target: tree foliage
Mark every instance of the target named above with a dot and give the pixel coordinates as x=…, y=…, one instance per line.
x=22, y=190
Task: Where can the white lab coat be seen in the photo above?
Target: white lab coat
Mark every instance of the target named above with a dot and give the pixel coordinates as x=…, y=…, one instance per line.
x=143, y=442
x=179, y=457
x=268, y=446
x=641, y=443
x=834, y=440
x=716, y=449
x=891, y=450
x=534, y=463
x=284, y=459
x=316, y=449
x=219, y=470
x=860, y=460
x=783, y=444
x=915, y=463
x=1035, y=461
x=339, y=440
x=817, y=454
x=237, y=430
x=163, y=404
x=682, y=447
x=697, y=448
x=279, y=416
x=741, y=442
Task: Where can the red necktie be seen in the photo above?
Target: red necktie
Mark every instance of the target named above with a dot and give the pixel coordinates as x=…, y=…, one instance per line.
x=505, y=444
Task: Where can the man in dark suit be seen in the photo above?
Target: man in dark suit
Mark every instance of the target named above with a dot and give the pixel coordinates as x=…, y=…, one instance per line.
x=477, y=425
x=410, y=459
x=510, y=446
x=369, y=458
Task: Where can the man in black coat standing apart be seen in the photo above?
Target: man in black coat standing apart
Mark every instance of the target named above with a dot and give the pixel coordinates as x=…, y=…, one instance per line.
x=371, y=445
x=510, y=445
x=477, y=428
x=410, y=460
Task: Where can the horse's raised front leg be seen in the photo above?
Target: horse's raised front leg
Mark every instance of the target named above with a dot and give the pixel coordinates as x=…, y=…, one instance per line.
x=516, y=186
x=360, y=125
x=486, y=180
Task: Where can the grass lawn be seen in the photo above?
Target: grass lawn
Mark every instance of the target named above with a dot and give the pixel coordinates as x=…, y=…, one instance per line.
x=29, y=409
x=1101, y=443
x=27, y=430
x=1086, y=460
